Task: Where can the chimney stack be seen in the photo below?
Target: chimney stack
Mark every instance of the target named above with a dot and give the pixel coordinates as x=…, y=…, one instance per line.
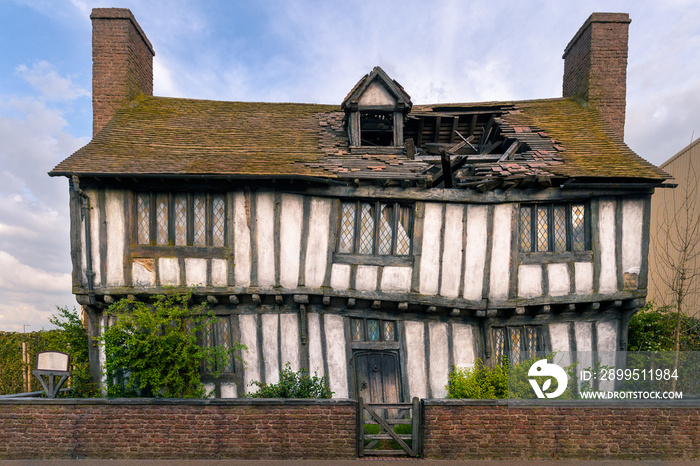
x=595, y=66
x=122, y=63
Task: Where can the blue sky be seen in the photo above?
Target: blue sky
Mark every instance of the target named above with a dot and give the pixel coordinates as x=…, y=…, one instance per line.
x=299, y=51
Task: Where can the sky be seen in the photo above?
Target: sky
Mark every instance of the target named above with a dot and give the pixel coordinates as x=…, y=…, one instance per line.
x=298, y=51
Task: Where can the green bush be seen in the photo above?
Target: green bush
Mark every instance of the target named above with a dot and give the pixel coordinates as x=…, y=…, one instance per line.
x=502, y=381
x=152, y=349
x=653, y=329
x=294, y=385
x=478, y=382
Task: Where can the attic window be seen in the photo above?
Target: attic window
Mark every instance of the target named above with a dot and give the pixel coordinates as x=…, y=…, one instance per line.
x=377, y=128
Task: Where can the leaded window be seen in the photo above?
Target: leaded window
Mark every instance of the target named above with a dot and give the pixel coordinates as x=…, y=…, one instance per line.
x=518, y=344
x=378, y=228
x=180, y=219
x=374, y=330
x=219, y=332
x=554, y=228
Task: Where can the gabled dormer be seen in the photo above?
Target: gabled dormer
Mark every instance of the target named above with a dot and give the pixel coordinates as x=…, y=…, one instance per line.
x=375, y=110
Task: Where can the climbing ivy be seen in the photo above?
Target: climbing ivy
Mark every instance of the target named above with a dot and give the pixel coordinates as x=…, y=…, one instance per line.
x=152, y=349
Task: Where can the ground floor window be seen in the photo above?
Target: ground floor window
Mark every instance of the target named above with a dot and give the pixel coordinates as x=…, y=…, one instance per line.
x=517, y=343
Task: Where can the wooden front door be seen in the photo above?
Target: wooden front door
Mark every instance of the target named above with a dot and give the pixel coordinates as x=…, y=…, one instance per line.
x=377, y=376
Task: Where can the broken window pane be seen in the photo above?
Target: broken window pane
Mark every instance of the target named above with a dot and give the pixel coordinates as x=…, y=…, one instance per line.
x=403, y=232
x=386, y=223
x=578, y=234
x=377, y=128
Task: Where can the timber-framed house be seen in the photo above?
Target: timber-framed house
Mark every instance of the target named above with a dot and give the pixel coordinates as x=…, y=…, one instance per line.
x=375, y=241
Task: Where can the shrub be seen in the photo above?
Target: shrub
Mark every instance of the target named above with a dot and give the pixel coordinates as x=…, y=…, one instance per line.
x=294, y=385
x=152, y=349
x=478, y=382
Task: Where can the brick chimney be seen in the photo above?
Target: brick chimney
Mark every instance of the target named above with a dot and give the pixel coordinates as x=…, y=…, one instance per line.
x=122, y=63
x=595, y=66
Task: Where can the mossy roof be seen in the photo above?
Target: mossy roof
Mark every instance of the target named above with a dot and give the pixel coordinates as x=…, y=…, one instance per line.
x=187, y=137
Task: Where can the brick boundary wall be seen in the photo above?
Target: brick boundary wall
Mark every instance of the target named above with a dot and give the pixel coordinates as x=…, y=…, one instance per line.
x=489, y=429
x=313, y=429
x=158, y=428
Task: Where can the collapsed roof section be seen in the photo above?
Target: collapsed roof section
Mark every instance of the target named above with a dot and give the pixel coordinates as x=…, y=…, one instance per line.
x=470, y=146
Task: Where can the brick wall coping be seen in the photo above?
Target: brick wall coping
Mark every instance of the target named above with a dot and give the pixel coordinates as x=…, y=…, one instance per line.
x=262, y=402
x=686, y=403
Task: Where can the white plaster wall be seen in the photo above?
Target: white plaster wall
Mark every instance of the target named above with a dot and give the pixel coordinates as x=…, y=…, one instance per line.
x=559, y=336
x=270, y=347
x=583, y=277
x=169, y=271
x=290, y=239
x=530, y=280
x=558, y=277
x=439, y=359
x=248, y=324
x=606, y=236
x=462, y=345
x=376, y=94
x=584, y=346
x=607, y=345
x=336, y=355
x=317, y=242
x=366, y=278
x=430, y=249
x=241, y=239
x=340, y=276
x=228, y=390
x=219, y=272
x=500, y=253
x=396, y=279
x=632, y=224
x=415, y=359
x=290, y=350
x=315, y=344
x=195, y=272
x=142, y=276
x=265, y=236
x=475, y=257
x=452, y=251
x=116, y=232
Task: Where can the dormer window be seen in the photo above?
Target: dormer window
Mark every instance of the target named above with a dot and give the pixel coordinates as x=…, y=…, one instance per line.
x=377, y=128
x=376, y=109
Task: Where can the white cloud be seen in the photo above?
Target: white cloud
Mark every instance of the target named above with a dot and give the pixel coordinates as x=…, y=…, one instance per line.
x=44, y=77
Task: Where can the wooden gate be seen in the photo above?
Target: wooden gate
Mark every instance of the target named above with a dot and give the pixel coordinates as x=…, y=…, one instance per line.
x=389, y=429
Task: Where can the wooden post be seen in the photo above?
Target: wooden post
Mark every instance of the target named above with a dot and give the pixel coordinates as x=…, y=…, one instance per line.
x=25, y=366
x=360, y=428
x=416, y=428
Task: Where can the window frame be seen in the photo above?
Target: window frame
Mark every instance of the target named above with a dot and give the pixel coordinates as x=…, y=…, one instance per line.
x=551, y=247
x=541, y=345
x=152, y=203
x=380, y=344
x=358, y=203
